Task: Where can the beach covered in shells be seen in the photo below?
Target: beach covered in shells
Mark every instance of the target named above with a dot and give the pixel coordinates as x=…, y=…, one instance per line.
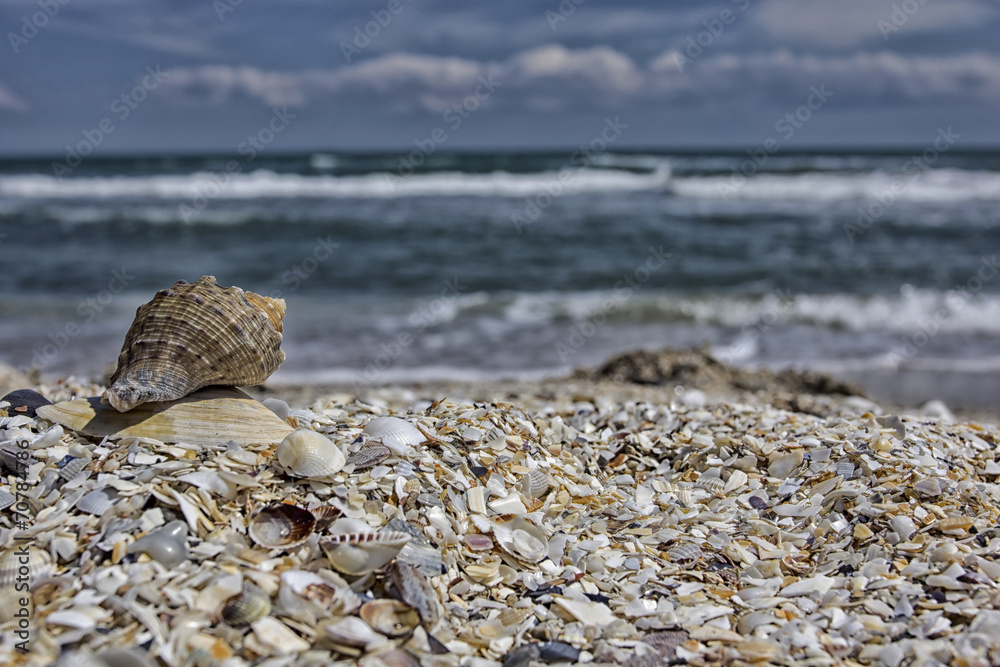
x=552, y=527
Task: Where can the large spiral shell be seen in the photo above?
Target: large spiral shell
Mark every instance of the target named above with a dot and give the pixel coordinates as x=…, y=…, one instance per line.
x=193, y=335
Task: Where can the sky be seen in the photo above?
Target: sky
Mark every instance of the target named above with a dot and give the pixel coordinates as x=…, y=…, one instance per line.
x=204, y=76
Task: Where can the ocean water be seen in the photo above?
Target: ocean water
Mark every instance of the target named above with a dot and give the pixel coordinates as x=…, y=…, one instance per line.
x=878, y=267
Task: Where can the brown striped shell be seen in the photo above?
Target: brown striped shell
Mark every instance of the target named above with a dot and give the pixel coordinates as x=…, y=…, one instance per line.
x=193, y=335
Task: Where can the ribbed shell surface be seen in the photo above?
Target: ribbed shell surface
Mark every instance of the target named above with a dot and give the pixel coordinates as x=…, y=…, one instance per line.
x=194, y=335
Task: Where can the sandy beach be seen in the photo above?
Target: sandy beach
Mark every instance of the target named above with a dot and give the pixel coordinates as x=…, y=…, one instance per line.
x=589, y=520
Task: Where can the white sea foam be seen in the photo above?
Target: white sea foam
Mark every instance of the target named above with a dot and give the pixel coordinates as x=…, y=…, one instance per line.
x=894, y=313
x=268, y=184
x=939, y=185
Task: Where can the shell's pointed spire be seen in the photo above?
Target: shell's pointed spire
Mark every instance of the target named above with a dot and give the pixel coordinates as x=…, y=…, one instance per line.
x=193, y=335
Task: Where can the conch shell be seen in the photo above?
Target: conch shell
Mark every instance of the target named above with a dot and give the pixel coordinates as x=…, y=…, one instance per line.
x=193, y=335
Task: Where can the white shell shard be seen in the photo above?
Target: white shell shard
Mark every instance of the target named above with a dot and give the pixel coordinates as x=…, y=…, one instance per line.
x=586, y=611
x=279, y=637
x=475, y=497
x=522, y=539
x=306, y=453
x=509, y=504
x=351, y=631
x=98, y=501
x=394, y=433
x=278, y=407
x=361, y=553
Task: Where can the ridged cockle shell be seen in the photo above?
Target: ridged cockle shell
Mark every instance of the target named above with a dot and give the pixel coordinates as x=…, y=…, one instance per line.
x=306, y=453
x=193, y=335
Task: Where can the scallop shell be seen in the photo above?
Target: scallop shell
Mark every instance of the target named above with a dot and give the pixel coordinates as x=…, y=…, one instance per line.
x=6, y=499
x=281, y=526
x=390, y=617
x=246, y=606
x=306, y=453
x=193, y=335
x=361, y=553
x=685, y=552
x=205, y=418
x=394, y=433
x=325, y=515
x=38, y=565
x=522, y=539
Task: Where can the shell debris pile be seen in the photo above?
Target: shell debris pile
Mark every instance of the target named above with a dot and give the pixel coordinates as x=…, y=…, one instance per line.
x=559, y=530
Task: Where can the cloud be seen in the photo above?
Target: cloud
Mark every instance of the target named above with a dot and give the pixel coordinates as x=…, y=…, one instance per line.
x=846, y=23
x=553, y=77
x=9, y=101
x=863, y=77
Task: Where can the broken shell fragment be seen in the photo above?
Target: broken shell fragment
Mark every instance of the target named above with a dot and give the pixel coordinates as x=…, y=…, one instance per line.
x=350, y=631
x=361, y=553
x=522, y=539
x=98, y=501
x=306, y=453
x=413, y=588
x=369, y=456
x=390, y=617
x=205, y=418
x=394, y=433
x=193, y=335
x=281, y=526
